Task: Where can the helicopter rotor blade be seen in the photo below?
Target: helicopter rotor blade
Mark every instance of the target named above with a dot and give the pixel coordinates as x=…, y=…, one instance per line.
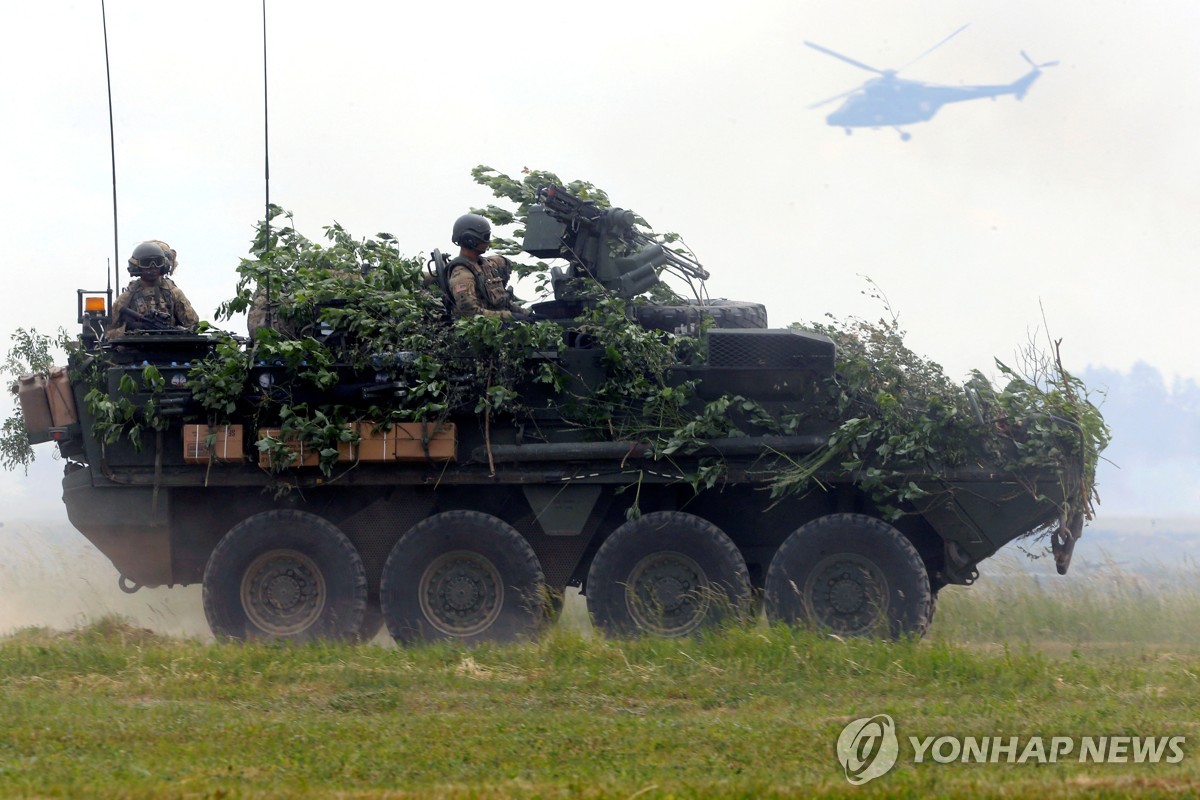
x=847, y=59
x=835, y=97
x=935, y=47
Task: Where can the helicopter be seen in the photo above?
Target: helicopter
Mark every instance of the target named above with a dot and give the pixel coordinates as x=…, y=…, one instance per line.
x=893, y=101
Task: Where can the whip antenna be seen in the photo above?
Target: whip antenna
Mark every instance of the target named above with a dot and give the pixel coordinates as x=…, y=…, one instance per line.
x=266, y=129
x=267, y=168
x=112, y=147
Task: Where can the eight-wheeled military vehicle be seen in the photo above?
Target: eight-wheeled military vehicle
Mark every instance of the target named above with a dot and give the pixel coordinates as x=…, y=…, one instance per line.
x=470, y=528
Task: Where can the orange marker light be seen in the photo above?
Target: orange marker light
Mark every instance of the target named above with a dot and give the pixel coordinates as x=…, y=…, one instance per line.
x=93, y=305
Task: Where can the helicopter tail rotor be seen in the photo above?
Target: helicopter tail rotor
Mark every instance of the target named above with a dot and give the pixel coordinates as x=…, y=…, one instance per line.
x=1021, y=85
x=1034, y=64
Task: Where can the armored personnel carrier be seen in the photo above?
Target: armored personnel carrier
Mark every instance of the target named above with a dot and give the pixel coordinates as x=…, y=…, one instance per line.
x=468, y=525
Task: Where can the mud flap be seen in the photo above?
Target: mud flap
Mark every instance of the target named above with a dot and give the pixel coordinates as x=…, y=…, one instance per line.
x=1062, y=541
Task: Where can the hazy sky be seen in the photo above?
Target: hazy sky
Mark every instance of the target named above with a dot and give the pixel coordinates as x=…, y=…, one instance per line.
x=1079, y=201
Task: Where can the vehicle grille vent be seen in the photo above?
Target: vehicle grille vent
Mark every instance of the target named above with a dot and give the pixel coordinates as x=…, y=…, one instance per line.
x=772, y=349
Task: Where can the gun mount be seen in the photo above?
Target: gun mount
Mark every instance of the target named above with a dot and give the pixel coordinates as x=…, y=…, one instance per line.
x=603, y=244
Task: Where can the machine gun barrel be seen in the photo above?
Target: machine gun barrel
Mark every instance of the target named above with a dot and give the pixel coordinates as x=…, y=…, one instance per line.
x=566, y=207
x=685, y=264
x=154, y=321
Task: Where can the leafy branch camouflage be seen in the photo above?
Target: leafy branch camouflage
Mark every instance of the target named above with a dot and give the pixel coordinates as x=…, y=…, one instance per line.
x=361, y=303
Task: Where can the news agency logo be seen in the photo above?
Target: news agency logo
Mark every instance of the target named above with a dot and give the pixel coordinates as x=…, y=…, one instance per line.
x=867, y=748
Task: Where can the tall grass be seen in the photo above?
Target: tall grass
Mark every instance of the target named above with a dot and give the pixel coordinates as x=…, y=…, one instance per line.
x=1103, y=606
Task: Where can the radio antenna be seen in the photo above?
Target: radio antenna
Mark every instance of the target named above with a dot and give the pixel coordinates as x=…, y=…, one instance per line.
x=266, y=129
x=267, y=169
x=112, y=147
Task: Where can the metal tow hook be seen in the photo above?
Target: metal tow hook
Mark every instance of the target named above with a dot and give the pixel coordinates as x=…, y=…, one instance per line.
x=1062, y=541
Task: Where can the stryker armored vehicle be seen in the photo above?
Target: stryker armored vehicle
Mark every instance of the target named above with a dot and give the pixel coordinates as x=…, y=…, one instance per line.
x=471, y=525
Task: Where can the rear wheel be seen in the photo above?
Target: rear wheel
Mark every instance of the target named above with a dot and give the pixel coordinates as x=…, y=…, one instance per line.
x=285, y=575
x=851, y=575
x=668, y=574
x=462, y=575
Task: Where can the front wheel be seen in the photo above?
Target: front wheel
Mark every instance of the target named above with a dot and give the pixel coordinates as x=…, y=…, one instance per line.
x=285, y=575
x=462, y=575
x=850, y=575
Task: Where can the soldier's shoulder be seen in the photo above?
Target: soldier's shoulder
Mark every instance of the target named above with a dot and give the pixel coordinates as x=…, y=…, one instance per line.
x=461, y=271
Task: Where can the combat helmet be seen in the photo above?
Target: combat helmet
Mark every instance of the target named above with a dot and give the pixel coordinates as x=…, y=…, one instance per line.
x=169, y=252
x=148, y=257
x=471, y=230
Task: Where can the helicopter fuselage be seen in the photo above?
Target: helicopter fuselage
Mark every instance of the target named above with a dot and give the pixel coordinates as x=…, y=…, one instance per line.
x=891, y=101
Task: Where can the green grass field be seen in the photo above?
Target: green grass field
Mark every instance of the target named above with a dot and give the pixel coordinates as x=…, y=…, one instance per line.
x=113, y=710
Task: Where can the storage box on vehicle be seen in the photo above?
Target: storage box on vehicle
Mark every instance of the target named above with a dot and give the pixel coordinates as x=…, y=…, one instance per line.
x=227, y=445
x=35, y=407
x=306, y=455
x=62, y=400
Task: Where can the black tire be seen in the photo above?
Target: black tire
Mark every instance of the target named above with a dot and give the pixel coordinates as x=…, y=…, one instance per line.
x=734, y=314
x=465, y=576
x=286, y=575
x=667, y=573
x=850, y=575
x=686, y=319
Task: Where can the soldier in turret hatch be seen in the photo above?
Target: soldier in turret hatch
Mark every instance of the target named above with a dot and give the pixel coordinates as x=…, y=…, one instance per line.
x=152, y=301
x=479, y=283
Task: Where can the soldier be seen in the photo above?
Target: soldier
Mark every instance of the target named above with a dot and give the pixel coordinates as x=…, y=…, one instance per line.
x=289, y=325
x=153, y=301
x=257, y=318
x=478, y=283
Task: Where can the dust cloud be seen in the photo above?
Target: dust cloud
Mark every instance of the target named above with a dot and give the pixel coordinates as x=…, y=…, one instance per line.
x=50, y=576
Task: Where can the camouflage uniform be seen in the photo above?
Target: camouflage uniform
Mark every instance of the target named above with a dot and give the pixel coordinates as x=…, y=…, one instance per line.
x=480, y=288
x=256, y=316
x=287, y=326
x=150, y=298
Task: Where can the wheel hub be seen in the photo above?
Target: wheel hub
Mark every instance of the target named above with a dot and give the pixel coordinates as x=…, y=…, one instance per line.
x=667, y=594
x=283, y=592
x=847, y=594
x=461, y=593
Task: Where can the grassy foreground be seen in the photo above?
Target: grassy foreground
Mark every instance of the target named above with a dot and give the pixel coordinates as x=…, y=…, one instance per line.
x=113, y=710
